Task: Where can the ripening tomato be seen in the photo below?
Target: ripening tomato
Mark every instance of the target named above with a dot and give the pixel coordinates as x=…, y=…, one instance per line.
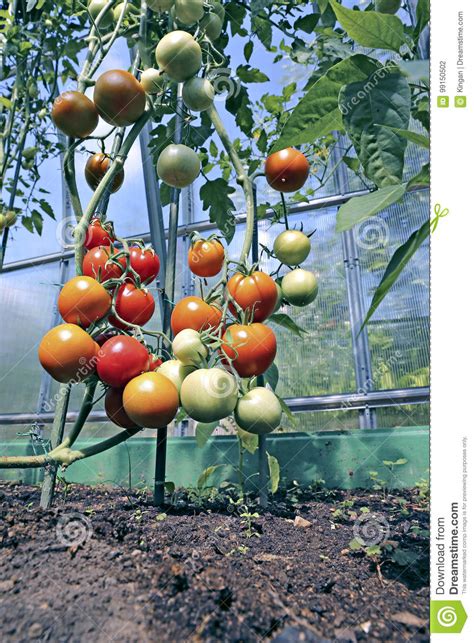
x=145, y=262
x=120, y=359
x=299, y=287
x=151, y=400
x=98, y=234
x=74, y=114
x=119, y=97
x=68, y=353
x=209, y=394
x=256, y=294
x=286, y=170
x=113, y=404
x=291, y=247
x=178, y=55
x=133, y=305
x=83, y=301
x=194, y=312
x=258, y=411
x=97, y=264
x=251, y=348
x=96, y=168
x=205, y=258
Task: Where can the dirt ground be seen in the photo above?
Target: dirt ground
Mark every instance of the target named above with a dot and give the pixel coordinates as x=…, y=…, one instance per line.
x=104, y=564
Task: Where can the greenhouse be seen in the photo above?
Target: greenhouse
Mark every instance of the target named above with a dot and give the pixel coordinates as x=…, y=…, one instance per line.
x=214, y=285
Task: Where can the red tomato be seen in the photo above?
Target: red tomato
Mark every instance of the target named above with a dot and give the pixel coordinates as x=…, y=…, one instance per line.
x=251, y=348
x=98, y=234
x=133, y=305
x=286, y=170
x=121, y=359
x=97, y=264
x=155, y=362
x=205, y=258
x=114, y=408
x=257, y=293
x=195, y=313
x=145, y=262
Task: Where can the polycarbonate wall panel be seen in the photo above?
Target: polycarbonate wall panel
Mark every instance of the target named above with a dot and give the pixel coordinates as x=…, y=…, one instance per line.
x=399, y=329
x=27, y=300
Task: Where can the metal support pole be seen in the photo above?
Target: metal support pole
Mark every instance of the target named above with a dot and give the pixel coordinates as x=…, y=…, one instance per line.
x=262, y=439
x=168, y=298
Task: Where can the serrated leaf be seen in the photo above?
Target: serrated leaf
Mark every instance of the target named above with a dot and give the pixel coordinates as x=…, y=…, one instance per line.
x=366, y=105
x=238, y=104
x=274, y=472
x=263, y=29
x=272, y=375
x=215, y=198
x=206, y=474
x=399, y=260
x=370, y=28
x=204, y=432
x=286, y=322
x=44, y=205
x=318, y=114
x=37, y=221
x=251, y=75
x=360, y=208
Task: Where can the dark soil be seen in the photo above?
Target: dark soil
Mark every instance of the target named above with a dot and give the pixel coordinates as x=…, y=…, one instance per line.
x=104, y=565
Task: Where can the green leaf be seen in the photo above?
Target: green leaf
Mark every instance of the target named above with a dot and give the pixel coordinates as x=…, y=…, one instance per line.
x=263, y=29
x=37, y=221
x=286, y=322
x=248, y=50
x=355, y=544
x=323, y=5
x=360, y=208
x=286, y=410
x=271, y=376
x=262, y=141
x=47, y=208
x=422, y=178
x=239, y=104
x=236, y=15
x=206, y=474
x=204, y=432
x=28, y=224
x=215, y=197
x=318, y=114
x=249, y=440
x=274, y=471
x=307, y=23
x=422, y=17
x=413, y=137
x=170, y=487
x=370, y=28
x=6, y=102
x=365, y=105
x=397, y=263
x=250, y=75
x=352, y=163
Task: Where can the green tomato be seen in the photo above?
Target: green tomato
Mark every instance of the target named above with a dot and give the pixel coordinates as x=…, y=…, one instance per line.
x=279, y=298
x=388, y=6
x=198, y=94
x=258, y=411
x=189, y=348
x=160, y=5
x=291, y=247
x=218, y=9
x=95, y=7
x=209, y=394
x=117, y=11
x=212, y=25
x=29, y=153
x=189, y=11
x=175, y=371
x=10, y=218
x=178, y=165
x=3, y=222
x=179, y=55
x=299, y=287
x=153, y=81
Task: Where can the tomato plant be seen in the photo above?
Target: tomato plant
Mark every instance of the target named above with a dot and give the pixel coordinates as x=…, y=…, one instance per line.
x=250, y=348
x=256, y=294
x=83, y=301
x=120, y=359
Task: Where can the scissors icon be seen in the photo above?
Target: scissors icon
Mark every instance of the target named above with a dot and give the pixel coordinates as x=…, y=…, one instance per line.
x=439, y=214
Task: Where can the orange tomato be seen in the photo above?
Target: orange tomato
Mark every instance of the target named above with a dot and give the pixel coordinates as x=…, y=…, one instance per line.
x=256, y=294
x=286, y=170
x=251, y=348
x=68, y=353
x=83, y=301
x=151, y=400
x=205, y=258
x=195, y=313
